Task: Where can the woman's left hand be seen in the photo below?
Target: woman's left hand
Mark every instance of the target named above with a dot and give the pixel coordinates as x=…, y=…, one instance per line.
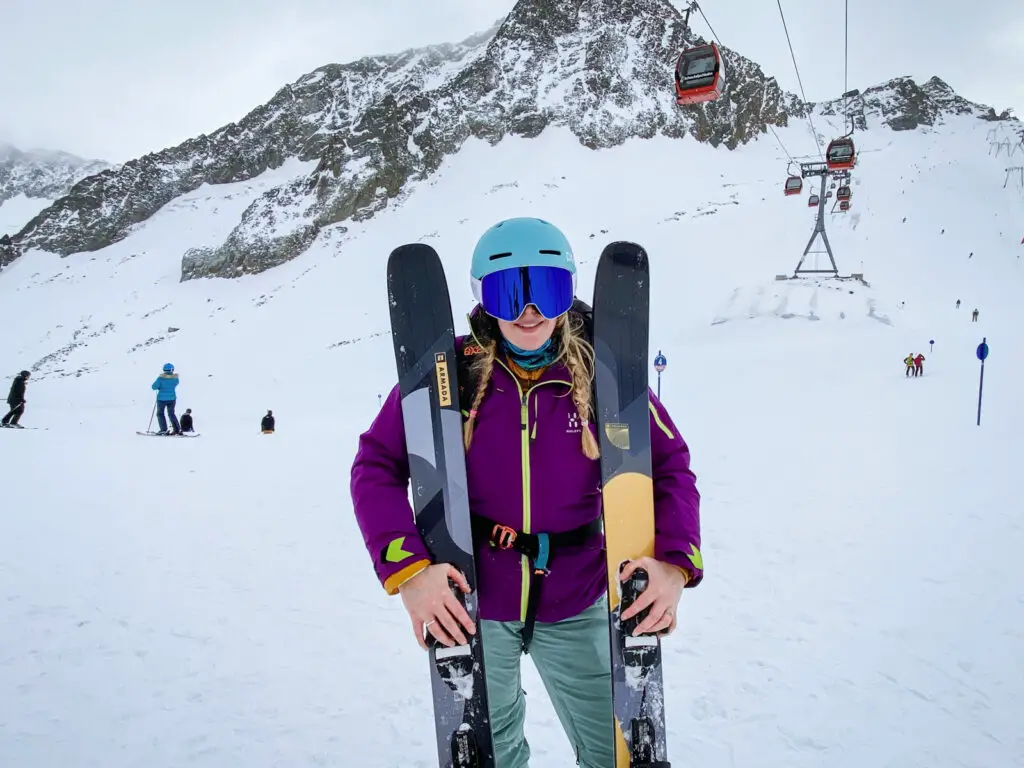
x=664, y=589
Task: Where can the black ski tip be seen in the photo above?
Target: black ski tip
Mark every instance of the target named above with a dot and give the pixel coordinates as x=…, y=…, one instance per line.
x=625, y=253
x=409, y=252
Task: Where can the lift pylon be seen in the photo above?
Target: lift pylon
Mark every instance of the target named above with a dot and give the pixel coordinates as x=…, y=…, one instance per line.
x=810, y=170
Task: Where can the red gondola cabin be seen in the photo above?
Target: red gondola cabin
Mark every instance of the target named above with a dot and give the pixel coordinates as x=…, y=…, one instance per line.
x=843, y=193
x=840, y=154
x=700, y=75
x=794, y=185
x=844, y=205
x=812, y=201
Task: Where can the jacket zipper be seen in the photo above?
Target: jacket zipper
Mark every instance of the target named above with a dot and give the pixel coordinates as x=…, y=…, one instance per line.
x=524, y=422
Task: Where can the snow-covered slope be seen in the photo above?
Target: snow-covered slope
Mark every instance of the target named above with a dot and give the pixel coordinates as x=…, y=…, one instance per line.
x=209, y=603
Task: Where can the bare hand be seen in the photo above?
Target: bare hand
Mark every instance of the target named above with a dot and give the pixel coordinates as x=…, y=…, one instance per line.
x=662, y=595
x=433, y=607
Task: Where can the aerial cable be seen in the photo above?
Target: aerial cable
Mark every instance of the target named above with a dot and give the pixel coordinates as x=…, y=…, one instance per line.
x=701, y=12
x=846, y=50
x=799, y=80
x=846, y=65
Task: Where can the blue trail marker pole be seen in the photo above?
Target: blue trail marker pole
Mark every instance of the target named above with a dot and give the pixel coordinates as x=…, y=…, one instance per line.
x=660, y=363
x=380, y=404
x=982, y=354
x=931, y=345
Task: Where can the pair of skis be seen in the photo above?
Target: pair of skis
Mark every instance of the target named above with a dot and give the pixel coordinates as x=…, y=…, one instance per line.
x=424, y=340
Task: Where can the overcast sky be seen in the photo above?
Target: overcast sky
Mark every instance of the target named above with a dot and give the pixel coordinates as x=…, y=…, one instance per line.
x=115, y=79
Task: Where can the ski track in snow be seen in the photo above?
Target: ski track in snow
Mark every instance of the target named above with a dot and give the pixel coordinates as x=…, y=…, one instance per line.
x=210, y=602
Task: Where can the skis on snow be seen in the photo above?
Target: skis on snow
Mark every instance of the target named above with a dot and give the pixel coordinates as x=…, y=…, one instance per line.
x=424, y=340
x=159, y=434
x=621, y=314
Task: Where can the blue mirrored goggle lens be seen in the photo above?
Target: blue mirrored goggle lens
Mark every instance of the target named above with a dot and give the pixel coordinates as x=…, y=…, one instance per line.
x=506, y=294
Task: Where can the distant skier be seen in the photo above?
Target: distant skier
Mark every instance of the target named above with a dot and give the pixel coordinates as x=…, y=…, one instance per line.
x=974, y=315
x=958, y=303
x=909, y=362
x=267, y=425
x=533, y=366
x=16, y=401
x=919, y=365
x=186, y=421
x=166, y=399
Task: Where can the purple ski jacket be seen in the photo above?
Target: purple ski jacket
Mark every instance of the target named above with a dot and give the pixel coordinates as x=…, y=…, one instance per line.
x=526, y=469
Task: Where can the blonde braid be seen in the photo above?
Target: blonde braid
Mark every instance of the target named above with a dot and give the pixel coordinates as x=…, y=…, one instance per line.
x=481, y=370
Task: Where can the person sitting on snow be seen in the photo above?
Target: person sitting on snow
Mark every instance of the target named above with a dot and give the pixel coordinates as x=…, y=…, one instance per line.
x=267, y=425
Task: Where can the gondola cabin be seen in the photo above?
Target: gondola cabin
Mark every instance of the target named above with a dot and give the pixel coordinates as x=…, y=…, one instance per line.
x=828, y=195
x=844, y=205
x=794, y=185
x=840, y=154
x=700, y=75
x=812, y=201
x=843, y=193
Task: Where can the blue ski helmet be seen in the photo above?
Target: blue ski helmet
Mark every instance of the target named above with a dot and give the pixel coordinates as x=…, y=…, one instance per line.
x=168, y=368
x=517, y=243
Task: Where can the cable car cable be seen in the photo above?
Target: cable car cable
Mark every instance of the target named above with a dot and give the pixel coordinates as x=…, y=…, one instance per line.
x=799, y=80
x=846, y=64
x=701, y=12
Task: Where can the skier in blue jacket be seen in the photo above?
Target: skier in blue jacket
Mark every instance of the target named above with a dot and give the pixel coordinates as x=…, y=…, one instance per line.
x=165, y=385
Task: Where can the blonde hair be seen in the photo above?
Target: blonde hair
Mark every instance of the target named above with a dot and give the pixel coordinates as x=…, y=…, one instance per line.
x=574, y=350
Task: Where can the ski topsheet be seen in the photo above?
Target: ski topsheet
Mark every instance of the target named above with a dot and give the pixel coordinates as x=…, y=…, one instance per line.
x=621, y=314
x=424, y=339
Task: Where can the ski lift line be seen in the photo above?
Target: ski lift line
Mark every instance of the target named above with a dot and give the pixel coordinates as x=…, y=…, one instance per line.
x=799, y=80
x=783, y=146
x=713, y=33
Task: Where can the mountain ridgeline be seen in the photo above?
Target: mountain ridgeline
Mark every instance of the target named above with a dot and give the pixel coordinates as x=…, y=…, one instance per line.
x=601, y=68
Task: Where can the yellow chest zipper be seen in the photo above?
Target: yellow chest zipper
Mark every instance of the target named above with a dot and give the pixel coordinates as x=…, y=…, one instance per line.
x=524, y=431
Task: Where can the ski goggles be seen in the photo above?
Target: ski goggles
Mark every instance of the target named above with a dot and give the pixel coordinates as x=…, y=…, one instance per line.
x=506, y=294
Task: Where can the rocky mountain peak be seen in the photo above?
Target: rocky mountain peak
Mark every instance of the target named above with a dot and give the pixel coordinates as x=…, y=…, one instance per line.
x=600, y=68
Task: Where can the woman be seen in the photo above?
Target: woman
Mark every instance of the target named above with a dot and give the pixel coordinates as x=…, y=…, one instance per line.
x=531, y=463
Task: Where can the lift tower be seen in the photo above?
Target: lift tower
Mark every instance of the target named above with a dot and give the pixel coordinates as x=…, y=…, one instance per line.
x=810, y=170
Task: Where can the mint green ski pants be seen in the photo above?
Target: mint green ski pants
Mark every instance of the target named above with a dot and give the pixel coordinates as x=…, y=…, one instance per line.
x=573, y=659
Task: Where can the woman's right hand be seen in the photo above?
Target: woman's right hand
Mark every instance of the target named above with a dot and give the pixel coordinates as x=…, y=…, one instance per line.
x=433, y=606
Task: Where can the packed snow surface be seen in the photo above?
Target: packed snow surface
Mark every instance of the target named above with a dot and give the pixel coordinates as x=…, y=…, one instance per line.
x=209, y=602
